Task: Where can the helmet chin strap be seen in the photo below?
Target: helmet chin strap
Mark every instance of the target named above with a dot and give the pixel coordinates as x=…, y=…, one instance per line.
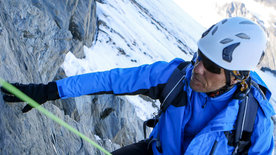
x=241, y=76
x=228, y=77
x=219, y=91
x=225, y=88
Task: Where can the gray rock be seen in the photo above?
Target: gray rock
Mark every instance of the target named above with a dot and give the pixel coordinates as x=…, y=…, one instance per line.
x=35, y=35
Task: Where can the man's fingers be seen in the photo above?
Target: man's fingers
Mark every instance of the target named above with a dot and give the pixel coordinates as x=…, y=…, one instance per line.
x=17, y=85
x=11, y=98
x=27, y=108
x=5, y=91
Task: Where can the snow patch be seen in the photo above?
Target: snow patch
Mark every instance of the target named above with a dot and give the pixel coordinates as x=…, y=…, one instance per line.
x=143, y=108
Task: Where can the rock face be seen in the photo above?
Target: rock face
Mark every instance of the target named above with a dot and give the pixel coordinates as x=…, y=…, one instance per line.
x=35, y=36
x=239, y=9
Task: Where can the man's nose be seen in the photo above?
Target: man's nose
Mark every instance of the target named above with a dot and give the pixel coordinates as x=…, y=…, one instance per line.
x=199, y=68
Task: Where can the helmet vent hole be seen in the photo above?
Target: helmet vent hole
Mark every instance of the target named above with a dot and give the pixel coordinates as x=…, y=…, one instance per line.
x=215, y=30
x=243, y=36
x=224, y=21
x=206, y=32
x=228, y=52
x=246, y=22
x=226, y=40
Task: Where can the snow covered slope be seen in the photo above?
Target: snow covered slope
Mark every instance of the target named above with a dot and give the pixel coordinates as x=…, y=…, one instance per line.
x=163, y=33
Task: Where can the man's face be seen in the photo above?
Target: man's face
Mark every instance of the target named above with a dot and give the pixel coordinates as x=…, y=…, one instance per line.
x=203, y=80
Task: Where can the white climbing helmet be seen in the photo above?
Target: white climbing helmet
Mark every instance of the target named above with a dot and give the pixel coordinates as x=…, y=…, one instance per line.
x=234, y=44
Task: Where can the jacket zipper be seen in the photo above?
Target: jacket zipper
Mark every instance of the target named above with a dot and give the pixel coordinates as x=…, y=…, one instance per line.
x=214, y=147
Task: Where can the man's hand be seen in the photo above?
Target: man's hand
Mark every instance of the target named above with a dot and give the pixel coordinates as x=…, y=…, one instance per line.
x=38, y=92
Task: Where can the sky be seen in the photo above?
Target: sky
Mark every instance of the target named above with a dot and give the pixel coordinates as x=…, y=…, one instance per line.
x=206, y=13
x=130, y=36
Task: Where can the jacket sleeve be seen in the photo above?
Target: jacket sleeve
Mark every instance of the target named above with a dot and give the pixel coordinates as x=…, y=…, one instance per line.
x=146, y=79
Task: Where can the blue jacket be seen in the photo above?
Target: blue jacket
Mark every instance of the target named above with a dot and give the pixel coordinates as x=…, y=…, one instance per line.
x=150, y=80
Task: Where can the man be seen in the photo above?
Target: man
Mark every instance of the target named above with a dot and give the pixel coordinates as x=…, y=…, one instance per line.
x=215, y=85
